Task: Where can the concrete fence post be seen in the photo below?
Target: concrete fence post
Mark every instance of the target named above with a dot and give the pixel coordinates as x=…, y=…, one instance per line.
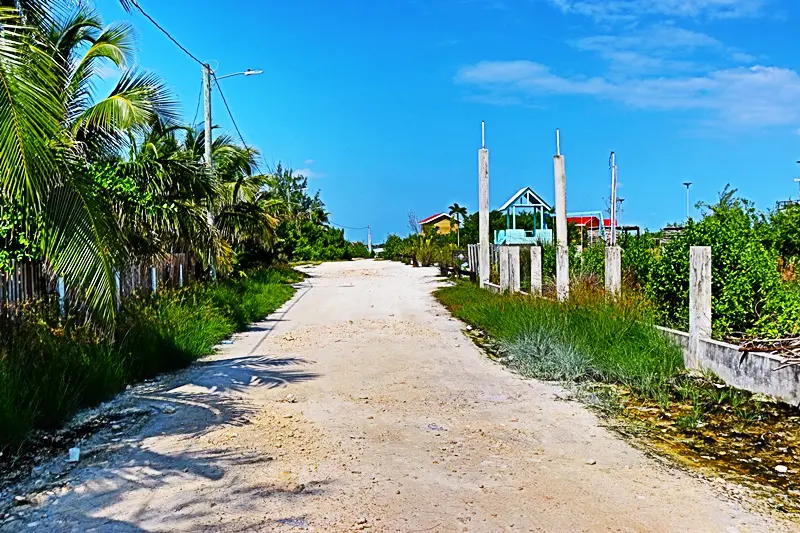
x=153, y=279
x=514, y=279
x=484, y=264
x=613, y=270
x=536, y=270
x=699, y=303
x=505, y=278
x=180, y=275
x=562, y=251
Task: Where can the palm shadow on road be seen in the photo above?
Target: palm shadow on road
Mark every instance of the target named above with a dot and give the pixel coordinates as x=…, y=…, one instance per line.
x=210, y=396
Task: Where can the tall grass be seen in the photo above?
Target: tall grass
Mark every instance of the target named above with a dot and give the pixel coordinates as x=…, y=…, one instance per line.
x=48, y=369
x=588, y=338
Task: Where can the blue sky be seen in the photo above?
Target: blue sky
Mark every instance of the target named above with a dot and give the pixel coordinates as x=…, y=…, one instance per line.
x=380, y=103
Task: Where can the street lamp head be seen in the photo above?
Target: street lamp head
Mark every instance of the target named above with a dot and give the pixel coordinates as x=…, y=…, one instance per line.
x=687, y=184
x=251, y=72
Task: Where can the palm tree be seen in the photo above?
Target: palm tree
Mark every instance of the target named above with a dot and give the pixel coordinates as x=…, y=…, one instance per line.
x=459, y=212
x=52, y=128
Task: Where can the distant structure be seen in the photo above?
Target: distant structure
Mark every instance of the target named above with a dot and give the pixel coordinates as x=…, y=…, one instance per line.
x=525, y=199
x=443, y=221
x=590, y=226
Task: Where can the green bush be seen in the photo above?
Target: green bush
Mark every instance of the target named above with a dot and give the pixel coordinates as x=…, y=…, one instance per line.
x=48, y=370
x=588, y=337
x=744, y=272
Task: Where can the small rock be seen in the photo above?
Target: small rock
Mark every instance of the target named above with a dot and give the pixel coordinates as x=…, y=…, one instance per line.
x=591, y=462
x=287, y=416
x=116, y=427
x=21, y=500
x=362, y=521
x=781, y=469
x=169, y=410
x=299, y=488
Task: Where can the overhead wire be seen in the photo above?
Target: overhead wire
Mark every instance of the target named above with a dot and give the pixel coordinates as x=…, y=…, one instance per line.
x=233, y=120
x=347, y=227
x=163, y=30
x=135, y=4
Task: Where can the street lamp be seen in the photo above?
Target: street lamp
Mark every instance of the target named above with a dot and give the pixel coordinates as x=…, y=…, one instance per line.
x=207, y=72
x=687, y=184
x=248, y=72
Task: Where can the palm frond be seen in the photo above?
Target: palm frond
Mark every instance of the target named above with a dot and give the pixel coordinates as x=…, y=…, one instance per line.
x=30, y=112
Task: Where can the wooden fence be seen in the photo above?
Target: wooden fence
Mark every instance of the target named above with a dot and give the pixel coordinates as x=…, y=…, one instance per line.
x=30, y=282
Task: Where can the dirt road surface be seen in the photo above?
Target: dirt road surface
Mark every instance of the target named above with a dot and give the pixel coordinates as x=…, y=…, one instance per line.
x=361, y=406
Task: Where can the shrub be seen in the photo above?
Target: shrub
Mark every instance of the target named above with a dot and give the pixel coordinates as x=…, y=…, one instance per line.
x=744, y=272
x=48, y=370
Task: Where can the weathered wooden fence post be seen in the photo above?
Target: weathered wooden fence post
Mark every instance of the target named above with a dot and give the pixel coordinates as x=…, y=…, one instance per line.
x=483, y=204
x=613, y=270
x=699, y=303
x=536, y=270
x=562, y=250
x=61, y=291
x=514, y=269
x=118, y=284
x=505, y=277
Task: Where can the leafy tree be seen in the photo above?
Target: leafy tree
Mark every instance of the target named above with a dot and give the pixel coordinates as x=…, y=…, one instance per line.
x=53, y=126
x=459, y=213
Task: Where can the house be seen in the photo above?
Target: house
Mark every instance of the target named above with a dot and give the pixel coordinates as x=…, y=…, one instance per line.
x=525, y=200
x=590, y=226
x=443, y=221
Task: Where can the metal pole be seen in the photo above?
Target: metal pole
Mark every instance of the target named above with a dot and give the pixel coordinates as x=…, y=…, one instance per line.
x=687, y=184
x=369, y=239
x=613, y=199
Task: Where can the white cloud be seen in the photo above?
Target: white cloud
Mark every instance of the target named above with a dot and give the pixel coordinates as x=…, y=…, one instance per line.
x=658, y=49
x=626, y=10
x=308, y=162
x=308, y=173
x=754, y=96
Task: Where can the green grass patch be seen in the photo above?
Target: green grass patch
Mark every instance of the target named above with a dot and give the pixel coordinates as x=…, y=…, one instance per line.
x=587, y=338
x=48, y=369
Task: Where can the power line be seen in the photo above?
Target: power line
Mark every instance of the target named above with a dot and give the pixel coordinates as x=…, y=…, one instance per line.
x=233, y=120
x=346, y=227
x=135, y=4
x=197, y=109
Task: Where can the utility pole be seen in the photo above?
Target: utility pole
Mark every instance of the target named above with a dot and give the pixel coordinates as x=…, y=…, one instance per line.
x=208, y=146
x=369, y=239
x=687, y=184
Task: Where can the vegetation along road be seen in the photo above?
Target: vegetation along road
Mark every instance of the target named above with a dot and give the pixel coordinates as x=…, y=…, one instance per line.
x=361, y=405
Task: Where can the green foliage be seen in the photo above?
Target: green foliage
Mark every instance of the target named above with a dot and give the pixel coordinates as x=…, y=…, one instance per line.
x=744, y=272
x=780, y=231
x=394, y=247
x=589, y=337
x=48, y=370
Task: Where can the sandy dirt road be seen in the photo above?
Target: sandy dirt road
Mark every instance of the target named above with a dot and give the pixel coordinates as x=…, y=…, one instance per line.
x=361, y=406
